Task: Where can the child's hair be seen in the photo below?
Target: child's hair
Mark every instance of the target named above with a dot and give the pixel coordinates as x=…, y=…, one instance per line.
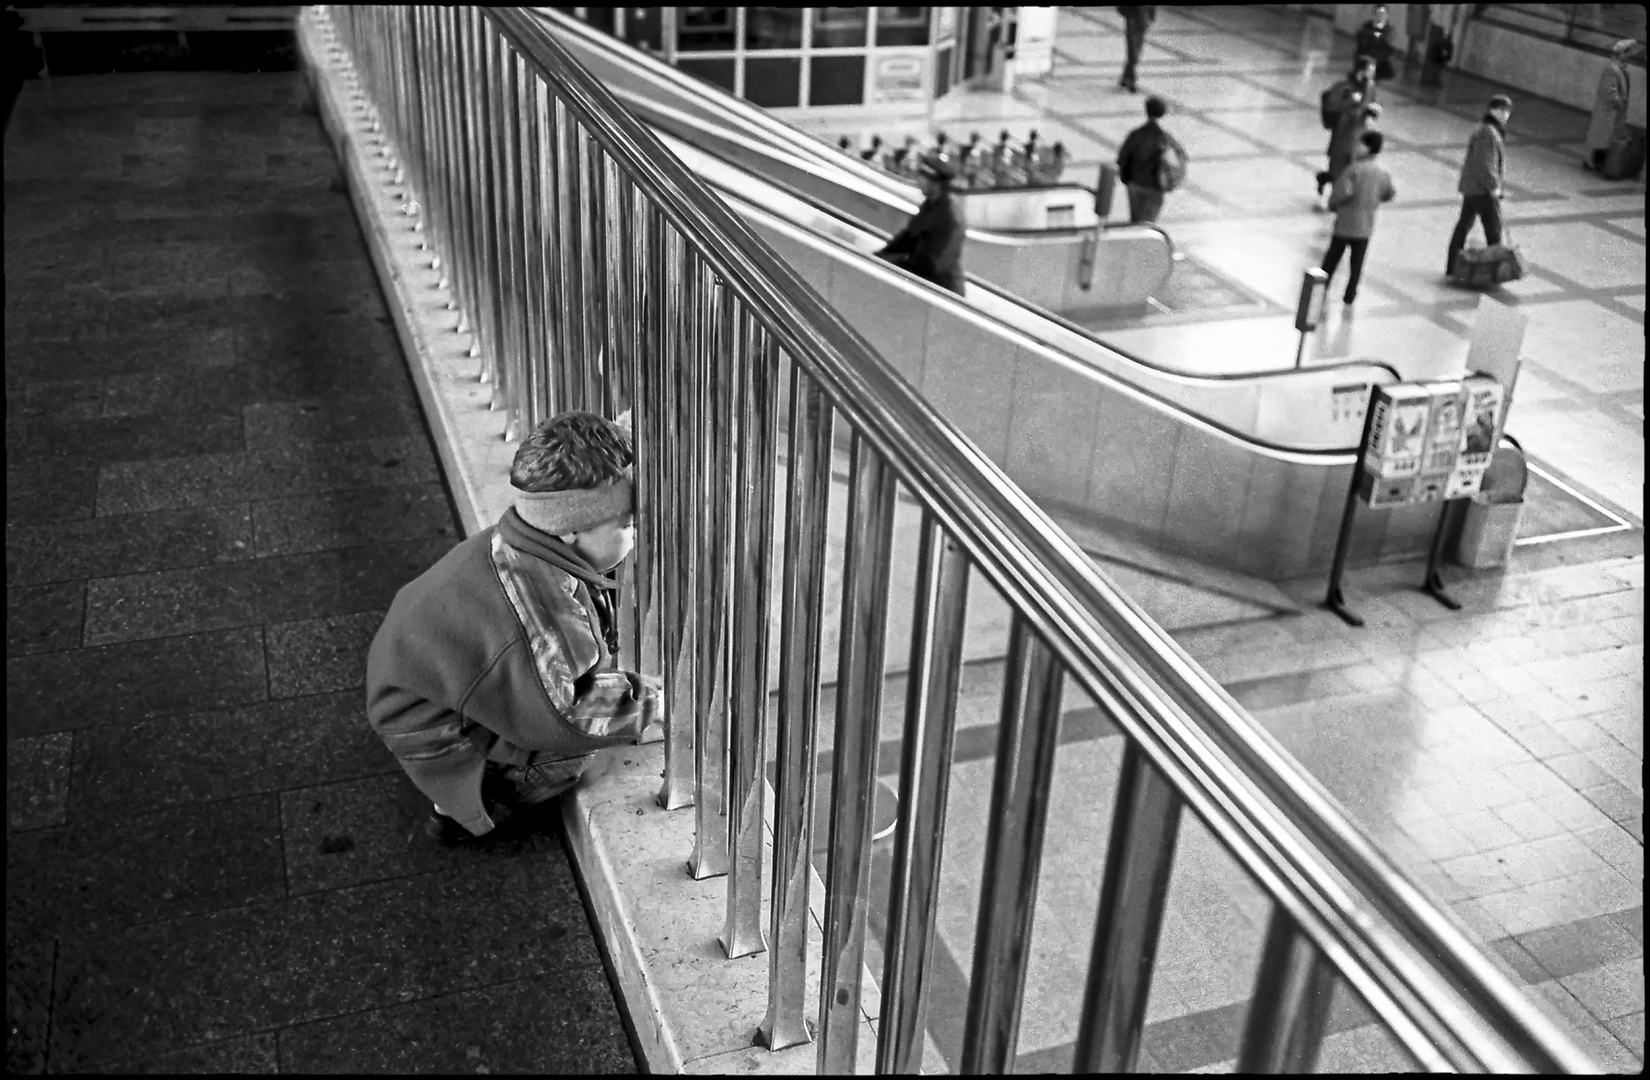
x=1373, y=141
x=571, y=451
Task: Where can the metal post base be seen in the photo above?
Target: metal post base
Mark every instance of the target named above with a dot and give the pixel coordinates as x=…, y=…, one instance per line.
x=1336, y=602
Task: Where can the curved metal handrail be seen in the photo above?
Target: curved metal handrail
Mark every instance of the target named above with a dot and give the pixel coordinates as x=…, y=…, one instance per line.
x=1186, y=722
x=1441, y=997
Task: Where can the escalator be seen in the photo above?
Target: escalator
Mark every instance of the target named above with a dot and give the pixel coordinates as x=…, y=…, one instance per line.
x=1247, y=472
x=1043, y=244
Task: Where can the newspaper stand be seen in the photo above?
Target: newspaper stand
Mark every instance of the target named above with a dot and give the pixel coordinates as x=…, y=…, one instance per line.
x=1422, y=442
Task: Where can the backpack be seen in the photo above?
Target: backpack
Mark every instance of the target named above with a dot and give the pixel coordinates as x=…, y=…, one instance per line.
x=1330, y=105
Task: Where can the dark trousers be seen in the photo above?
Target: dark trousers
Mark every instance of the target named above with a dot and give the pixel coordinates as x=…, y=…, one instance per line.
x=1474, y=207
x=1337, y=245
x=1134, y=38
x=1144, y=204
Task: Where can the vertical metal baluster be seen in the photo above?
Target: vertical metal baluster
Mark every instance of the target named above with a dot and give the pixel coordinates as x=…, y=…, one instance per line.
x=941, y=608
x=679, y=787
x=1029, y=733
x=465, y=146
x=487, y=215
x=564, y=267
x=531, y=243
x=808, y=487
x=590, y=393
x=748, y=694
x=1133, y=895
x=601, y=343
x=643, y=408
x=514, y=261
x=1289, y=1008
x=854, y=757
x=615, y=282
x=709, y=441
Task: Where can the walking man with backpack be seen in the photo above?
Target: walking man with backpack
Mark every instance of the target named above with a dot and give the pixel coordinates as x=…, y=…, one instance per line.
x=1346, y=109
x=1151, y=162
x=1480, y=183
x=1360, y=189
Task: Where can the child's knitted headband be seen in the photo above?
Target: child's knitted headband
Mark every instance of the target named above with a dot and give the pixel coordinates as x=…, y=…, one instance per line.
x=562, y=512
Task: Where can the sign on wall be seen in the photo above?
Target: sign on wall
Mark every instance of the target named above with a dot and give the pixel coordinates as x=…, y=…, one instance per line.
x=899, y=79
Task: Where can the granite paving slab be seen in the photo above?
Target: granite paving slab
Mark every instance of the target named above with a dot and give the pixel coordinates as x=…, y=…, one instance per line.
x=28, y=1005
x=257, y=1054
x=81, y=878
x=546, y=1025
x=69, y=690
x=350, y=518
x=127, y=544
x=220, y=754
x=277, y=589
x=314, y=656
x=58, y=489
x=37, y=780
x=230, y=973
x=44, y=618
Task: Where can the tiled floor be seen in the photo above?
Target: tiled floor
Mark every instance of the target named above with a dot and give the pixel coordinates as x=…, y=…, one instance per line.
x=217, y=475
x=1497, y=752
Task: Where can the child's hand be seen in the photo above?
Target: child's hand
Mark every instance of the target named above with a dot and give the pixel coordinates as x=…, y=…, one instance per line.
x=623, y=420
x=652, y=692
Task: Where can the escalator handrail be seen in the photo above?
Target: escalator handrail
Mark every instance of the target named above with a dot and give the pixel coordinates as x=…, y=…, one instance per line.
x=934, y=294
x=1420, y=974
x=850, y=220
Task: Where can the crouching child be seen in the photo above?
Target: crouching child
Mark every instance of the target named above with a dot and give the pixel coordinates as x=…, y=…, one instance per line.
x=495, y=676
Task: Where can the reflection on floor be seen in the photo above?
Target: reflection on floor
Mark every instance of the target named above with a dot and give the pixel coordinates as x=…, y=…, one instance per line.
x=1495, y=752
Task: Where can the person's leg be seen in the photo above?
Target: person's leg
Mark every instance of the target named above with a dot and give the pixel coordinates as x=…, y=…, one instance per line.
x=1489, y=208
x=1358, y=246
x=1151, y=205
x=1463, y=226
x=1136, y=203
x=1134, y=37
x=1332, y=258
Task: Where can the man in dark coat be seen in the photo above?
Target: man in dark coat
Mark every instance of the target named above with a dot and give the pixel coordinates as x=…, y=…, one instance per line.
x=1135, y=22
x=930, y=246
x=1482, y=176
x=1357, y=108
x=1140, y=161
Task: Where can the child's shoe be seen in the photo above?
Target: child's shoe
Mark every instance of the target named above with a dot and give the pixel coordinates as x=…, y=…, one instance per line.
x=445, y=831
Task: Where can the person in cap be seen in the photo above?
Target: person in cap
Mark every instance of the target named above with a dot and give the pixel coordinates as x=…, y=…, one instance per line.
x=930, y=245
x=1481, y=178
x=1610, y=106
x=1141, y=164
x=495, y=676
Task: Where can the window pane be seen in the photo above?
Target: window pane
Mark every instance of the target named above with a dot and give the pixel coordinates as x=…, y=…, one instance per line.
x=773, y=82
x=773, y=28
x=702, y=28
x=716, y=70
x=837, y=80
x=902, y=26
x=839, y=28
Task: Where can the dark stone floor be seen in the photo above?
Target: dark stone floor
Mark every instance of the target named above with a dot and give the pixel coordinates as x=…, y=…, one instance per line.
x=217, y=475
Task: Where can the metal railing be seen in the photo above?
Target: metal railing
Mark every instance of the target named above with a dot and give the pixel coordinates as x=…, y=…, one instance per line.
x=1591, y=26
x=597, y=272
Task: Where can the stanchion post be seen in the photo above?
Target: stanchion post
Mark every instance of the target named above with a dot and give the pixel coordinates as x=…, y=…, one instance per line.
x=1335, y=599
x=1314, y=283
x=1434, y=584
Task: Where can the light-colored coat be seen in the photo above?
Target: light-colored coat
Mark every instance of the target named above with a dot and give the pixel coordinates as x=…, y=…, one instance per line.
x=1359, y=190
x=1609, y=109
